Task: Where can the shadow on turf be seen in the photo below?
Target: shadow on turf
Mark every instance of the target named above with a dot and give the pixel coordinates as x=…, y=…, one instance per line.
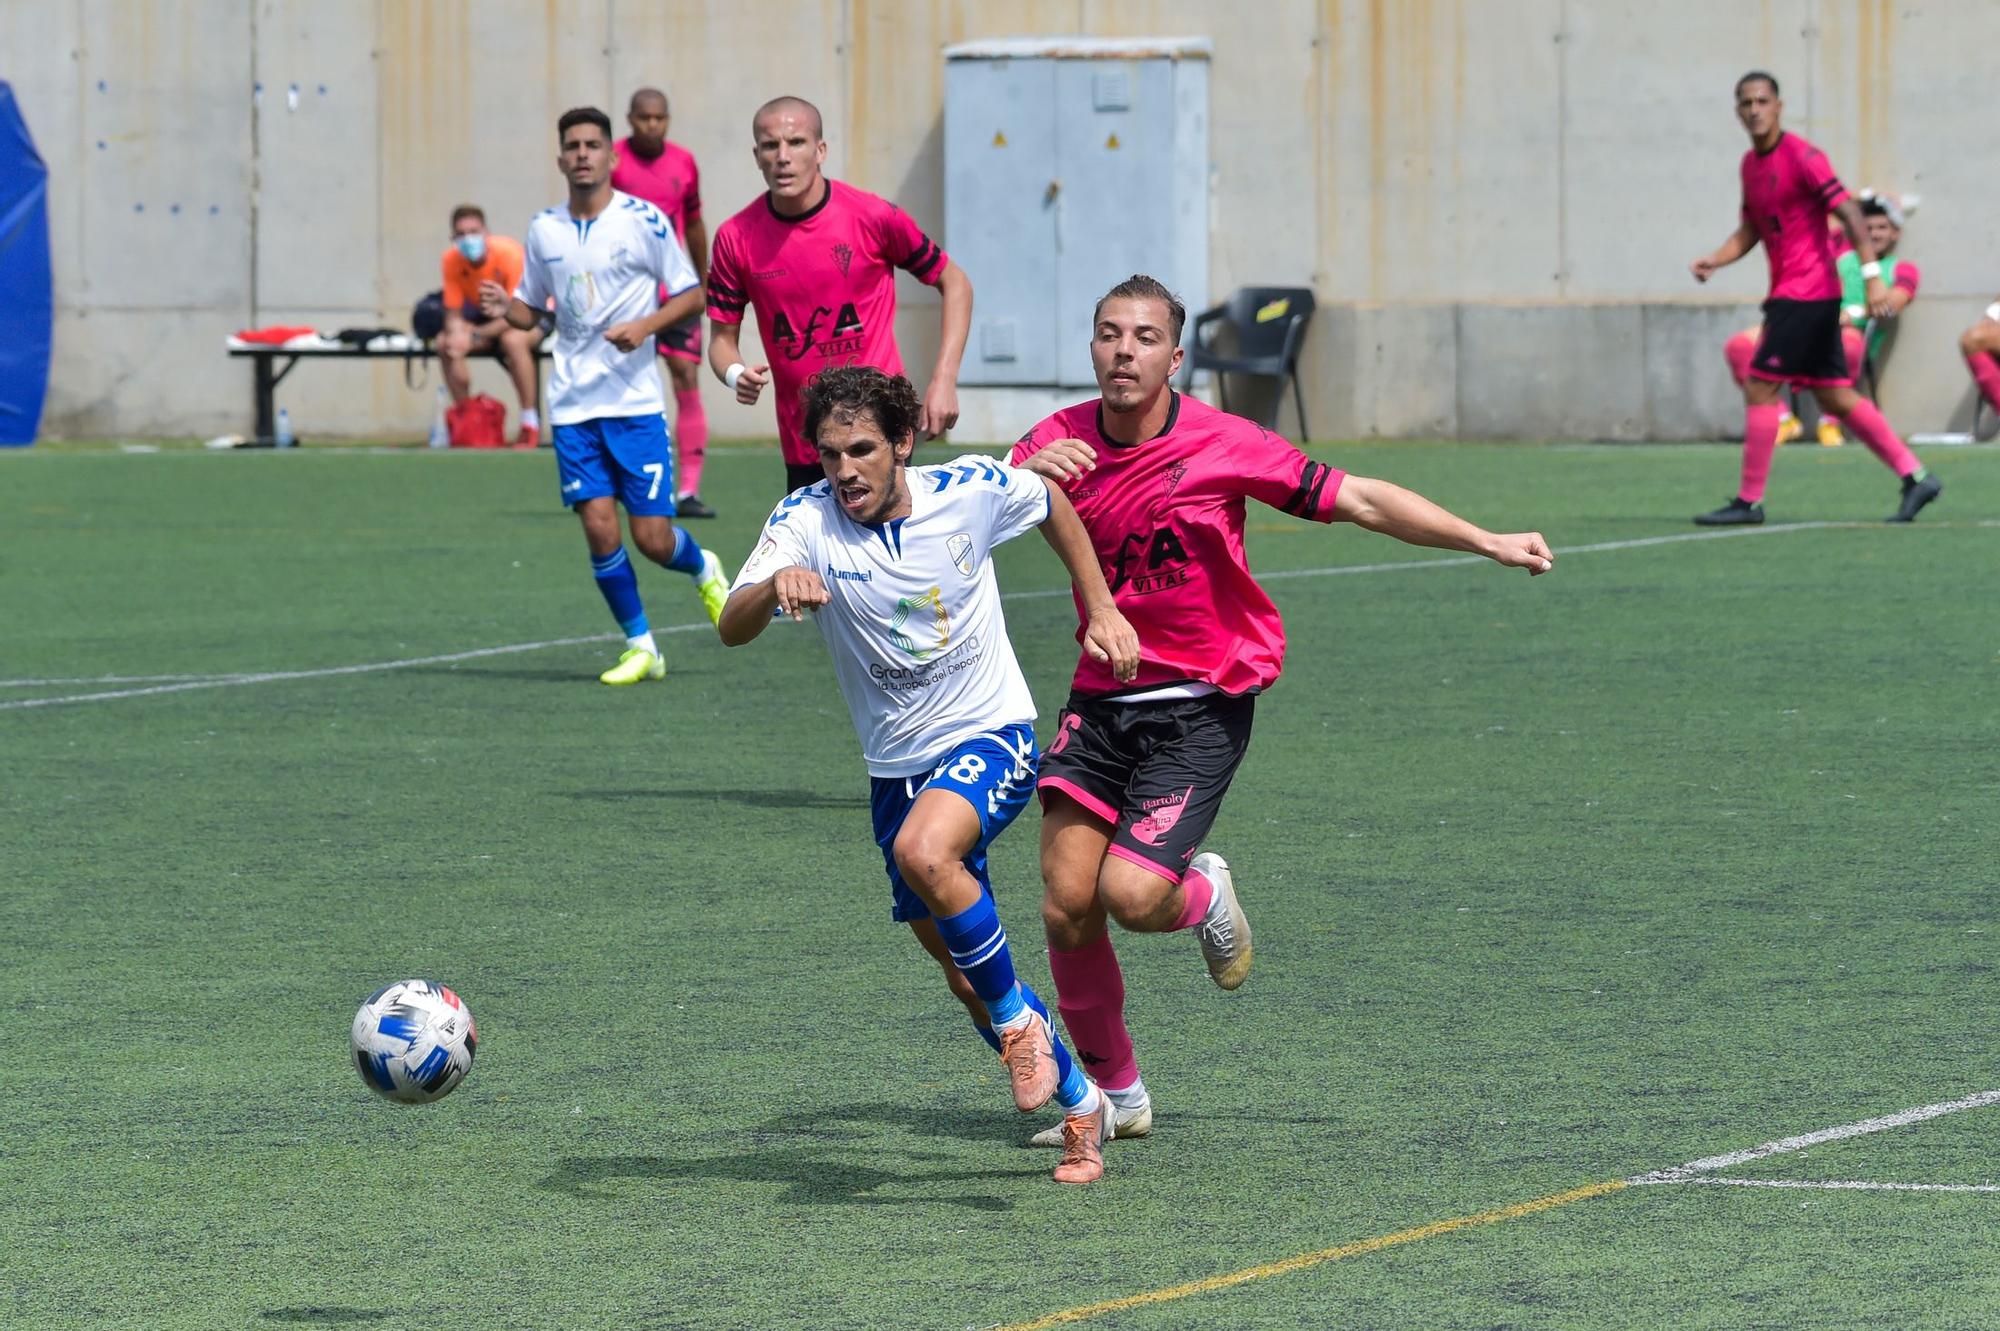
x=815, y=1164
x=310, y=1316
x=757, y=799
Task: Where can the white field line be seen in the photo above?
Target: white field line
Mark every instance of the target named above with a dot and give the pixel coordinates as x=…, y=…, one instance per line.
x=1853, y=1185
x=1341, y=570
x=366, y=668
x=1787, y=1145
x=107, y=679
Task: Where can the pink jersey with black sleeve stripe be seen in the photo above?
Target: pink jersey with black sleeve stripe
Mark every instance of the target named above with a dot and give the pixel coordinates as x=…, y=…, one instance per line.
x=1166, y=518
x=1787, y=193
x=670, y=182
x=824, y=288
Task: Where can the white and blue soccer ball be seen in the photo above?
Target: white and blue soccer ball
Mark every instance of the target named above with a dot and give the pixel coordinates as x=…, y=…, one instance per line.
x=413, y=1041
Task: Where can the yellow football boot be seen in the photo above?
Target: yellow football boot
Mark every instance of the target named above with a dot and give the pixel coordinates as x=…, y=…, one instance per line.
x=713, y=584
x=634, y=665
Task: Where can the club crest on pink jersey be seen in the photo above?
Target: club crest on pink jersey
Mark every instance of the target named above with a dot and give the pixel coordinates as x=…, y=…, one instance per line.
x=843, y=255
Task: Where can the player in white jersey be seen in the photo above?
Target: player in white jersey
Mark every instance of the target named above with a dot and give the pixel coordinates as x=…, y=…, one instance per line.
x=603, y=259
x=896, y=563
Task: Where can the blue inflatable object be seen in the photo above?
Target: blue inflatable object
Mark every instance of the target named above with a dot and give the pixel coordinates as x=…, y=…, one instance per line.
x=27, y=291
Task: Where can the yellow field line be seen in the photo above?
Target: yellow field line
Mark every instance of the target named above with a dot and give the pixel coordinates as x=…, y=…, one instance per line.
x=1304, y=1260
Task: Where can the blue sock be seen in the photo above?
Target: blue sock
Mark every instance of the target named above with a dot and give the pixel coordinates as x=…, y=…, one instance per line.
x=620, y=586
x=1071, y=1083
x=978, y=948
x=686, y=557
x=986, y=1034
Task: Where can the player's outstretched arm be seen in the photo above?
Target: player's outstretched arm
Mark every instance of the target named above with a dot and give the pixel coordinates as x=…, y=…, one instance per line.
x=1741, y=241
x=1415, y=520
x=749, y=610
x=1106, y=634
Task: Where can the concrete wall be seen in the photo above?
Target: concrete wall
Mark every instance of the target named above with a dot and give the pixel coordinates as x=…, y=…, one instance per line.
x=1495, y=200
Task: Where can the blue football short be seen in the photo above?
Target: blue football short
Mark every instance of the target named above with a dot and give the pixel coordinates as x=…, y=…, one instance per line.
x=628, y=458
x=994, y=771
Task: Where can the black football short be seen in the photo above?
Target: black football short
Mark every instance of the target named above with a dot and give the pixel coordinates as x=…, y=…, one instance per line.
x=682, y=341
x=1155, y=771
x=1801, y=344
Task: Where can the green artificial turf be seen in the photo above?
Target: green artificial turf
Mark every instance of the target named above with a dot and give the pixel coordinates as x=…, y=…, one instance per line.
x=1683, y=848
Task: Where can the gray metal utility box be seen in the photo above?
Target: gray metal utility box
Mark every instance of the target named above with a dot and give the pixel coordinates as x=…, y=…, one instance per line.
x=1070, y=164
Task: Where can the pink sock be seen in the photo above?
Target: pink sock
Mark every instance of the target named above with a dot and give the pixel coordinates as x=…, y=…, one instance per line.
x=1199, y=893
x=1760, y=440
x=690, y=438
x=1737, y=351
x=1872, y=429
x=1090, y=995
x=1856, y=349
x=1986, y=373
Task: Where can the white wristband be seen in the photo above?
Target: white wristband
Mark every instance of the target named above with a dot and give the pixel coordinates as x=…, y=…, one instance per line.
x=1993, y=311
x=733, y=373
x=1871, y=269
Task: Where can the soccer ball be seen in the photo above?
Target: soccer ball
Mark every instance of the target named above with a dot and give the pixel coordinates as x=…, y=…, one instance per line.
x=413, y=1041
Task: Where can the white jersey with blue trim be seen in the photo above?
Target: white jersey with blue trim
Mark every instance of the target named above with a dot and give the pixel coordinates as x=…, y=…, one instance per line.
x=918, y=638
x=601, y=271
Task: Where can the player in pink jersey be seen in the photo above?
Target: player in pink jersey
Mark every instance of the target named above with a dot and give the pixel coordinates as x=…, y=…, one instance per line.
x=1788, y=189
x=816, y=259
x=1136, y=773
x=664, y=174
x=1980, y=345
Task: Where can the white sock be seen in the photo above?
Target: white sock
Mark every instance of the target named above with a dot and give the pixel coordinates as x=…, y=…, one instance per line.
x=644, y=642
x=1127, y=1097
x=1022, y=1018
x=531, y=419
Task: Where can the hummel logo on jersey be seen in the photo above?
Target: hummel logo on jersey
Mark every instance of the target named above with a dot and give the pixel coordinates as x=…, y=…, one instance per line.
x=959, y=546
x=849, y=575
x=952, y=473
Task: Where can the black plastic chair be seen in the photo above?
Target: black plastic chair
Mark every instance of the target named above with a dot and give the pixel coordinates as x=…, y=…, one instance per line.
x=1266, y=326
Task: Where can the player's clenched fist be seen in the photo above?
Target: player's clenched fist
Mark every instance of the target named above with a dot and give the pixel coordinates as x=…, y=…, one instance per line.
x=1523, y=550
x=798, y=590
x=750, y=383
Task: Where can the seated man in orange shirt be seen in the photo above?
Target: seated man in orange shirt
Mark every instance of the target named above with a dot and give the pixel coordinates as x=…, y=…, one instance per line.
x=476, y=257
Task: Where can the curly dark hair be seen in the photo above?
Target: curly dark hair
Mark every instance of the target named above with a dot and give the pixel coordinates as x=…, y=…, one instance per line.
x=845, y=393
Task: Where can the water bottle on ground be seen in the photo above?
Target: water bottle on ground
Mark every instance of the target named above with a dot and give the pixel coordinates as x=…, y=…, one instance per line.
x=284, y=438
x=440, y=433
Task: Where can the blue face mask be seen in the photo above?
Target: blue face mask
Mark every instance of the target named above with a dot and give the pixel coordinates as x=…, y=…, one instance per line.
x=473, y=247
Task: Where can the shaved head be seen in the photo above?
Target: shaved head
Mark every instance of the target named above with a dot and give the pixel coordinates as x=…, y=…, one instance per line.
x=648, y=97
x=796, y=106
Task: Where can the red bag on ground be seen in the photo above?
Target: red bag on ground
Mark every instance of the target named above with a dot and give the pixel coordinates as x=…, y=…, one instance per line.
x=477, y=422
